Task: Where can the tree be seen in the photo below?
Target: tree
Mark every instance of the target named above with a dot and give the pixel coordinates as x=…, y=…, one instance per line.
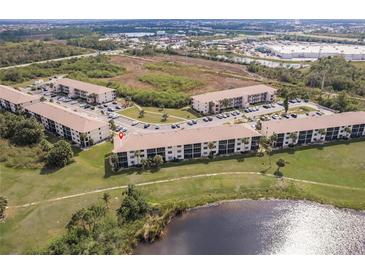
x=60, y=155
x=145, y=163
x=280, y=163
x=45, y=145
x=286, y=103
x=157, y=161
x=93, y=96
x=245, y=140
x=141, y=113
x=258, y=125
x=86, y=219
x=3, y=204
x=210, y=147
x=265, y=146
x=137, y=154
x=28, y=132
x=348, y=131
x=106, y=198
x=294, y=137
x=133, y=205
x=164, y=117
x=112, y=125
x=225, y=103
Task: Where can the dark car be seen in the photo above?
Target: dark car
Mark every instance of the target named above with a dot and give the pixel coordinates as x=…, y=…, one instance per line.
x=210, y=118
x=146, y=125
x=294, y=115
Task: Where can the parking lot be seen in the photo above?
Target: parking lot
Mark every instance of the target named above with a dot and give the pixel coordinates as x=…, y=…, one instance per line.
x=109, y=111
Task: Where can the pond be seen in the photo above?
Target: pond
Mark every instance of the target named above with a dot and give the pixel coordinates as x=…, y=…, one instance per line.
x=263, y=227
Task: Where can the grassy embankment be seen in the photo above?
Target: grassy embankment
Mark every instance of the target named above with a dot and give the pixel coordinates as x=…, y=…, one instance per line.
x=339, y=170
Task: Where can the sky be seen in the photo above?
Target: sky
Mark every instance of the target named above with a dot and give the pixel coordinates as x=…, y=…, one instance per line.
x=182, y=9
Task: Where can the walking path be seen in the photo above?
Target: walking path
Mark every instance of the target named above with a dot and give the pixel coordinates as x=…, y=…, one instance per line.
x=180, y=179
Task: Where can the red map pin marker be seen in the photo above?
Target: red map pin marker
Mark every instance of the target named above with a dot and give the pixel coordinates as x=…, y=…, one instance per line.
x=121, y=135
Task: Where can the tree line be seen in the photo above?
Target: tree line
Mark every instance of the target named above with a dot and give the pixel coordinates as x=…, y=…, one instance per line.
x=28, y=52
x=21, y=130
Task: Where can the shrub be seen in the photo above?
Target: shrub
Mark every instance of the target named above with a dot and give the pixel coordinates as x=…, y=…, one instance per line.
x=60, y=155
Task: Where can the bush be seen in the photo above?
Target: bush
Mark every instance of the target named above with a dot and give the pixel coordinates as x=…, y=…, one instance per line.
x=133, y=206
x=60, y=155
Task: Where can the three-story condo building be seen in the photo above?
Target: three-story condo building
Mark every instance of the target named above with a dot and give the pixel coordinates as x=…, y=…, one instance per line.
x=13, y=100
x=79, y=129
x=89, y=92
x=316, y=129
x=215, y=102
x=185, y=144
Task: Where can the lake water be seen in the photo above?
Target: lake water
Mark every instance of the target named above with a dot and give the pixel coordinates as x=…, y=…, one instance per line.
x=263, y=227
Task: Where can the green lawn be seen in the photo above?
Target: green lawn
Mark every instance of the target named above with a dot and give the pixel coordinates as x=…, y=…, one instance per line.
x=154, y=118
x=185, y=113
x=341, y=164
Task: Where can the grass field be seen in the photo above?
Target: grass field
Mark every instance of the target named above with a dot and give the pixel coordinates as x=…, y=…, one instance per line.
x=153, y=115
x=341, y=165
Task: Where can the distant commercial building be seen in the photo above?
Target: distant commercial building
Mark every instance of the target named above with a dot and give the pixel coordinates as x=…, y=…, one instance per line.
x=315, y=51
x=79, y=129
x=90, y=92
x=185, y=144
x=316, y=129
x=215, y=102
x=13, y=100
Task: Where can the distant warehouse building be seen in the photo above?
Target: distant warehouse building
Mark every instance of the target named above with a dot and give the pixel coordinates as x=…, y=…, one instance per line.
x=81, y=130
x=185, y=144
x=13, y=100
x=315, y=51
x=89, y=92
x=316, y=129
x=215, y=102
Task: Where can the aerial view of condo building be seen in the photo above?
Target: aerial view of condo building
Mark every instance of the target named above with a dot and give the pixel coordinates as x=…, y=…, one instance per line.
x=182, y=137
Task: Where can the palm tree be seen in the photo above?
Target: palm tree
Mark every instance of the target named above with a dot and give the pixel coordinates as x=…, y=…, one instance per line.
x=294, y=137
x=246, y=140
x=210, y=147
x=106, y=198
x=137, y=154
x=321, y=132
x=265, y=147
x=145, y=163
x=348, y=131
x=286, y=103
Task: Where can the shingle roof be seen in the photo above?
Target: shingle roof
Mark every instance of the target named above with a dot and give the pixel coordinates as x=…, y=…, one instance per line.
x=15, y=96
x=310, y=123
x=233, y=93
x=182, y=137
x=66, y=117
x=90, y=88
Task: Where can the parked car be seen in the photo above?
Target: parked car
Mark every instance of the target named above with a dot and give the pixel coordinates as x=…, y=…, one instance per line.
x=294, y=115
x=157, y=127
x=177, y=125
x=135, y=123
x=194, y=122
x=114, y=103
x=190, y=123
x=205, y=119
x=118, y=107
x=146, y=125
x=110, y=109
x=210, y=118
x=306, y=100
x=173, y=126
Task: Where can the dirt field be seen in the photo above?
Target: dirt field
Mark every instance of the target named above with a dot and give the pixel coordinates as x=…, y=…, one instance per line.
x=214, y=75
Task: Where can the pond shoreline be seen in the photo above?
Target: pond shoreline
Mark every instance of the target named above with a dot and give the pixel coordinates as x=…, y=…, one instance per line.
x=222, y=203
x=162, y=229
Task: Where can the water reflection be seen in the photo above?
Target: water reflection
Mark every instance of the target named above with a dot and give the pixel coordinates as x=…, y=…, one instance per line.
x=263, y=227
